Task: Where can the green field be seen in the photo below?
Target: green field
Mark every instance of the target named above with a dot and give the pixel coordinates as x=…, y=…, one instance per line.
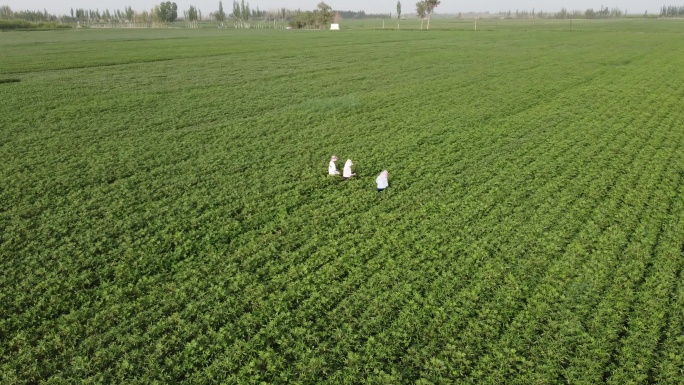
x=166, y=214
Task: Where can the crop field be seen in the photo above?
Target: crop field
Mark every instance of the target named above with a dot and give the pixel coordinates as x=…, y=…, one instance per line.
x=166, y=214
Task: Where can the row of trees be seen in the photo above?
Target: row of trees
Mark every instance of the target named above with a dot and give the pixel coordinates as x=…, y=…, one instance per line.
x=242, y=15
x=672, y=11
x=245, y=17
x=6, y=13
x=564, y=13
x=164, y=12
x=602, y=13
x=361, y=15
x=167, y=12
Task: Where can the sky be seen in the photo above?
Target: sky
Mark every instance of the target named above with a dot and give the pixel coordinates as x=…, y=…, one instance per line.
x=376, y=6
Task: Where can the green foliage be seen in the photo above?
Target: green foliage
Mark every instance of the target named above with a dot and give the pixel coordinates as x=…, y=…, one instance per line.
x=6, y=13
x=430, y=5
x=10, y=25
x=324, y=14
x=191, y=17
x=167, y=217
x=320, y=18
x=167, y=11
x=241, y=13
x=130, y=14
x=192, y=13
x=421, y=9
x=426, y=8
x=220, y=15
x=665, y=11
x=306, y=19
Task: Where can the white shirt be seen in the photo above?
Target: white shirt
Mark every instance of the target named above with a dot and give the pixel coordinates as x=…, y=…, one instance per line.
x=347, y=172
x=332, y=169
x=381, y=181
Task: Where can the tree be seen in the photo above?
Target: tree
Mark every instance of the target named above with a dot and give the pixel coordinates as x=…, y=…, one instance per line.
x=154, y=16
x=244, y=12
x=145, y=17
x=398, y=13
x=241, y=14
x=563, y=14
x=167, y=12
x=130, y=14
x=421, y=10
x=220, y=15
x=430, y=6
x=191, y=17
x=6, y=12
x=306, y=19
x=236, y=12
x=324, y=14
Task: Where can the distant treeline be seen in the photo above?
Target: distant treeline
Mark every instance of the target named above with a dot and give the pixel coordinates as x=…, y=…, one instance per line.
x=241, y=11
x=672, y=11
x=601, y=13
x=6, y=13
x=361, y=15
x=10, y=25
x=242, y=14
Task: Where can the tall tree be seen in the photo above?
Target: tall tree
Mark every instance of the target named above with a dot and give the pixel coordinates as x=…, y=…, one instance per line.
x=324, y=14
x=154, y=16
x=130, y=14
x=6, y=12
x=244, y=12
x=191, y=16
x=430, y=6
x=167, y=11
x=398, y=13
x=241, y=14
x=220, y=15
x=236, y=13
x=421, y=11
x=145, y=18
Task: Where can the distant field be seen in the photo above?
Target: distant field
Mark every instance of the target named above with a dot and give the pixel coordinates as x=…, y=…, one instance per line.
x=165, y=213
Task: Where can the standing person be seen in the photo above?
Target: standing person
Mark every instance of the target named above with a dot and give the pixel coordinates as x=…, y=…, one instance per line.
x=382, y=181
x=332, y=169
x=346, y=172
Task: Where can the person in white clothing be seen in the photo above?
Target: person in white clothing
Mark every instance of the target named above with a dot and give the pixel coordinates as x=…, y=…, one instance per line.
x=332, y=169
x=382, y=181
x=347, y=172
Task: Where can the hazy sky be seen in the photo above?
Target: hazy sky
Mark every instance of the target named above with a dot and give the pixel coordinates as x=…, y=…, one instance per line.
x=375, y=6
